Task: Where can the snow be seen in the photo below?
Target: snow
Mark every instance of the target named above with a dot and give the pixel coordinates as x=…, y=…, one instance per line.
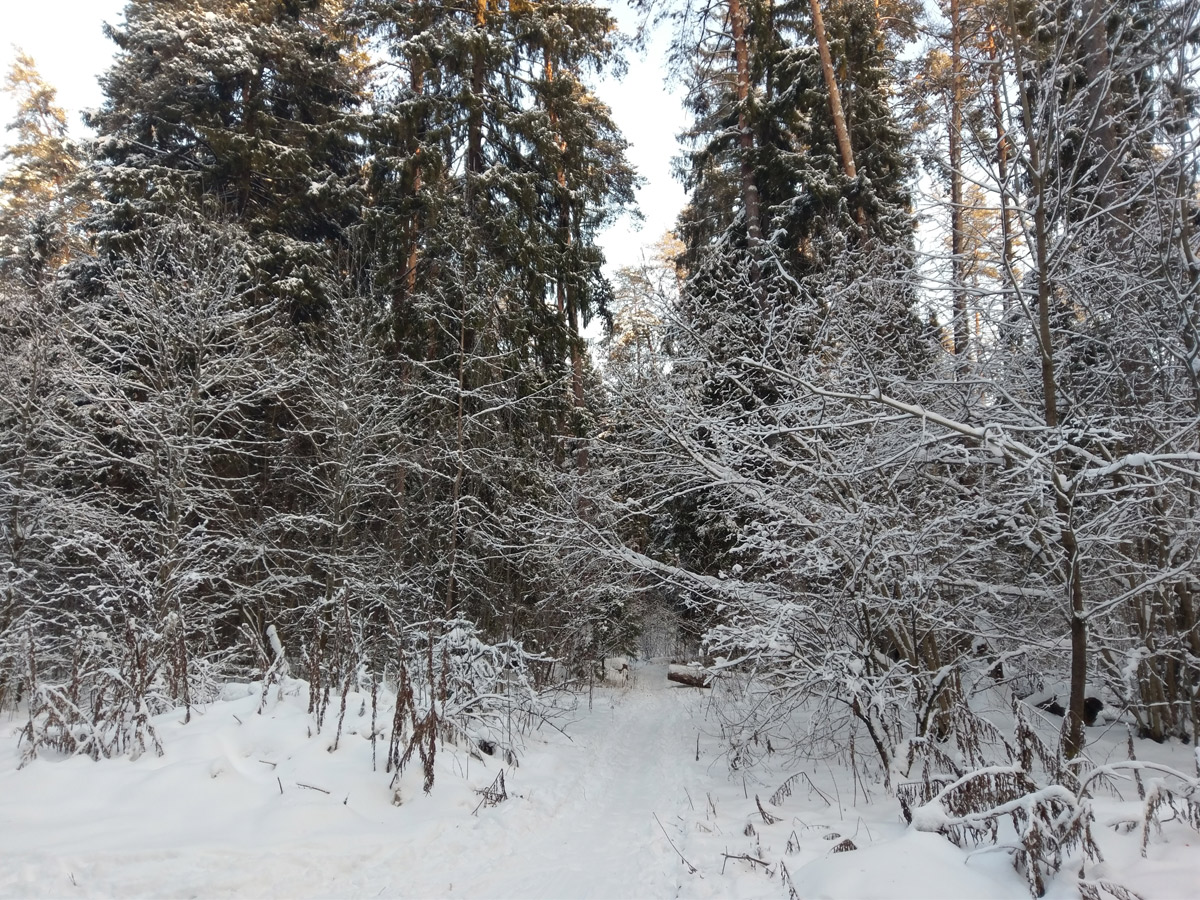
x=914, y=865
x=603, y=803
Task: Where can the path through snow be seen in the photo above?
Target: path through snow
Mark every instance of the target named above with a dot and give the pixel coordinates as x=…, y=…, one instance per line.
x=586, y=827
x=233, y=809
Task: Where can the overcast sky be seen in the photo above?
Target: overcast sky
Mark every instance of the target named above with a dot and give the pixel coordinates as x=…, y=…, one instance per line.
x=64, y=38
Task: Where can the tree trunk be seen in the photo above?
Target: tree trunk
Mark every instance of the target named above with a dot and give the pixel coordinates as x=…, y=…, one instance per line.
x=1072, y=565
x=840, y=130
x=692, y=677
x=741, y=53
x=567, y=307
x=1007, y=262
x=475, y=116
x=1099, y=101
x=410, y=269
x=962, y=333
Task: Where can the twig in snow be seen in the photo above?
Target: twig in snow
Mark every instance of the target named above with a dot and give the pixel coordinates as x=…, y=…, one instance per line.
x=267, y=762
x=865, y=827
x=785, y=790
x=746, y=856
x=692, y=870
x=280, y=784
x=1137, y=775
x=494, y=795
x=546, y=721
x=311, y=787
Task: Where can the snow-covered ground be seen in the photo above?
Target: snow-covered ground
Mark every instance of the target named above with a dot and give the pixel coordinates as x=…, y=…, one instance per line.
x=255, y=805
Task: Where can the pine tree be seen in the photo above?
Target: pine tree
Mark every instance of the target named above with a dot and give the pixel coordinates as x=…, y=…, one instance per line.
x=39, y=197
x=827, y=291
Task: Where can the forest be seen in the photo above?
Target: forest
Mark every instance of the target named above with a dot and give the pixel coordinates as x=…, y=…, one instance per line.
x=310, y=369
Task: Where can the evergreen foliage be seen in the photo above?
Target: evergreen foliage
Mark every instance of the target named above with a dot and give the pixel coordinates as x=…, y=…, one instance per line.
x=243, y=112
x=812, y=210
x=39, y=198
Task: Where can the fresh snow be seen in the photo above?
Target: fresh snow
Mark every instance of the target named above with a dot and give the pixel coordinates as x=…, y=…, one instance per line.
x=604, y=803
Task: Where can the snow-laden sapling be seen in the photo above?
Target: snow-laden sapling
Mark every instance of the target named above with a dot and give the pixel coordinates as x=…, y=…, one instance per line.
x=1161, y=789
x=454, y=686
x=1049, y=818
x=101, y=707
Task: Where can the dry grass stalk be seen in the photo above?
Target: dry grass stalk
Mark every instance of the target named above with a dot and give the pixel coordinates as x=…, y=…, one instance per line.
x=492, y=795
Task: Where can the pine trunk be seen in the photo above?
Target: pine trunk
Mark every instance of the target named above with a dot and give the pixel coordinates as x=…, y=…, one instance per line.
x=741, y=54
x=962, y=335
x=841, y=132
x=475, y=117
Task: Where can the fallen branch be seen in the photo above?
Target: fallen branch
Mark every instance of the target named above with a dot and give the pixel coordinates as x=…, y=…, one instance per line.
x=689, y=675
x=743, y=856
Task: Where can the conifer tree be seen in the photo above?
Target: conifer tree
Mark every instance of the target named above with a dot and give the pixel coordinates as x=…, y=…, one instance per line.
x=830, y=166
x=243, y=111
x=492, y=168
x=489, y=115
x=38, y=198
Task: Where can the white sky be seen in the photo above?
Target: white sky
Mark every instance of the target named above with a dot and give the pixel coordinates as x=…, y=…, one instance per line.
x=64, y=38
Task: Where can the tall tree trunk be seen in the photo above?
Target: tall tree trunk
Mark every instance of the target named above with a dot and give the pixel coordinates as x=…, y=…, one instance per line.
x=475, y=116
x=1097, y=68
x=451, y=599
x=841, y=132
x=564, y=294
x=741, y=54
x=249, y=120
x=410, y=267
x=962, y=333
x=1007, y=261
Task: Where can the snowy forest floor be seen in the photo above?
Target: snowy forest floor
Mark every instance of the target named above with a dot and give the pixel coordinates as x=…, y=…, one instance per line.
x=253, y=805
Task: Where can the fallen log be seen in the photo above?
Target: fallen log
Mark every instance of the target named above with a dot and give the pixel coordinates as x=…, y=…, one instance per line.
x=692, y=676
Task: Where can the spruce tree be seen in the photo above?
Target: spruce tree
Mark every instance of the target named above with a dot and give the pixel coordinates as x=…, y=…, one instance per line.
x=817, y=199
x=489, y=119
x=830, y=170
x=492, y=168
x=244, y=112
